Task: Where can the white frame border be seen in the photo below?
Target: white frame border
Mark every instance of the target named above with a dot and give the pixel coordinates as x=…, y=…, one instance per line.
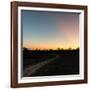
x=52, y=78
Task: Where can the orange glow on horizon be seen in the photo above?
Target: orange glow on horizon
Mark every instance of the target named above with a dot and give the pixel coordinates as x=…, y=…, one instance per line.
x=51, y=46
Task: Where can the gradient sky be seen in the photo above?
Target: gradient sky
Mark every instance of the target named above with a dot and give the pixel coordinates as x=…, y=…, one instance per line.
x=50, y=30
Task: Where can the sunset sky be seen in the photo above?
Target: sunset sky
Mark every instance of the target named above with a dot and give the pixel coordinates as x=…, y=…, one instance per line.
x=50, y=30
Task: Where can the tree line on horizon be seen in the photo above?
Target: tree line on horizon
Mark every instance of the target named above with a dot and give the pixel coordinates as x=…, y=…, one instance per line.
x=58, y=49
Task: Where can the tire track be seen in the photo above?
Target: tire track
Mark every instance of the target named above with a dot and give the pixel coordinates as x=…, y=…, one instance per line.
x=32, y=69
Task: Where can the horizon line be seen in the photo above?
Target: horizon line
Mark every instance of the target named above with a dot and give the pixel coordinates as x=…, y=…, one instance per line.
x=54, y=49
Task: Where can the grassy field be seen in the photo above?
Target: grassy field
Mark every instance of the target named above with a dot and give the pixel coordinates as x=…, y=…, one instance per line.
x=65, y=62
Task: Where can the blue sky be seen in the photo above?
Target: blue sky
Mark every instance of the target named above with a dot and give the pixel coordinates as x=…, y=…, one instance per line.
x=50, y=30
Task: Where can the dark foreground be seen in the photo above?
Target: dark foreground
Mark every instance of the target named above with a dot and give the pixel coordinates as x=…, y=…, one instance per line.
x=48, y=63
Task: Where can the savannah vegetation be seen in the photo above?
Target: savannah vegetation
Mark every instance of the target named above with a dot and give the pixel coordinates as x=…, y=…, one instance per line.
x=66, y=61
